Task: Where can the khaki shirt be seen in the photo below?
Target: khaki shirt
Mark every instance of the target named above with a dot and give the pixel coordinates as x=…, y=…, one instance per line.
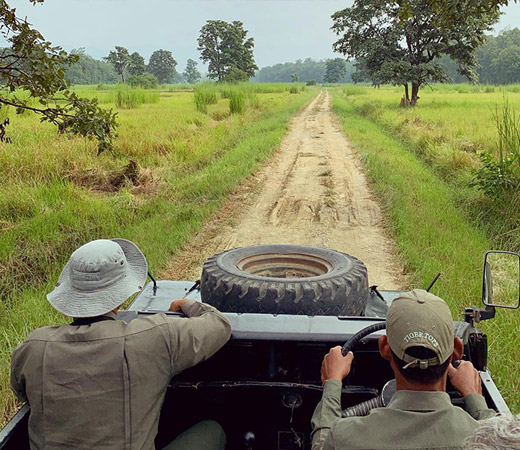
x=101, y=386
x=412, y=420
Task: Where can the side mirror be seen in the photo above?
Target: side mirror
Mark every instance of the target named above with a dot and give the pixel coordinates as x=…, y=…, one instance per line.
x=501, y=279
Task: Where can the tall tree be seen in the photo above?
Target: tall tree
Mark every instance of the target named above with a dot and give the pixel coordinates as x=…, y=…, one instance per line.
x=162, y=64
x=191, y=74
x=31, y=63
x=136, y=65
x=227, y=49
x=119, y=58
x=335, y=70
x=400, y=40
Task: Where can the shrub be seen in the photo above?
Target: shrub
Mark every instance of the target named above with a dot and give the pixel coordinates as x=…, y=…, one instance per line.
x=237, y=102
x=146, y=81
x=489, y=89
x=293, y=90
x=311, y=83
x=501, y=175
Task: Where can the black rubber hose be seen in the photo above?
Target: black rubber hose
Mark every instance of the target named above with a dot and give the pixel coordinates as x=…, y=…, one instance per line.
x=352, y=342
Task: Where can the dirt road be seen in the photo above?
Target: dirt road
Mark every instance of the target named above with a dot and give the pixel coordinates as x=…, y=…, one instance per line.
x=312, y=192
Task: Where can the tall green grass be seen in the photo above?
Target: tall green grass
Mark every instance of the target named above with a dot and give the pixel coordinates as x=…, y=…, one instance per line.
x=128, y=97
x=204, y=96
x=237, y=102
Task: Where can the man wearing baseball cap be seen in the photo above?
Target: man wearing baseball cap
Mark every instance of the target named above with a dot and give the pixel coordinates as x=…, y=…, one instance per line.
x=420, y=346
x=100, y=382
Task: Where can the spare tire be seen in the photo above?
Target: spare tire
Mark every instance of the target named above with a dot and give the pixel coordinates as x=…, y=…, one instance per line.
x=285, y=279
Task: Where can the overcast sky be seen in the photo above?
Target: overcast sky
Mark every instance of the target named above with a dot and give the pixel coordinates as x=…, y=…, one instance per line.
x=284, y=30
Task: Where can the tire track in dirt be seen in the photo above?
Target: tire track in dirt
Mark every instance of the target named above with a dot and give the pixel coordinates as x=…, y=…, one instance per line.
x=312, y=192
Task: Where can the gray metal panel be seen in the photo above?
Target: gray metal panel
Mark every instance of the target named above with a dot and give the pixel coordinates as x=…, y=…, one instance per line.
x=489, y=385
x=261, y=326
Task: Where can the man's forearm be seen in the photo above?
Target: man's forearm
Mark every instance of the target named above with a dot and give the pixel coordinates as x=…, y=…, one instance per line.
x=326, y=413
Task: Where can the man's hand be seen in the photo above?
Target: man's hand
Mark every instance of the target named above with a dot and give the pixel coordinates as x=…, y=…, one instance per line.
x=176, y=305
x=465, y=379
x=335, y=366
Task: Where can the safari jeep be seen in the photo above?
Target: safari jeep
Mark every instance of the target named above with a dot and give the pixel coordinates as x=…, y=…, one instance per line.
x=287, y=306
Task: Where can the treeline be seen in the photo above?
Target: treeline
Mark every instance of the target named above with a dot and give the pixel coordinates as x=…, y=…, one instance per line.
x=498, y=58
x=120, y=65
x=306, y=70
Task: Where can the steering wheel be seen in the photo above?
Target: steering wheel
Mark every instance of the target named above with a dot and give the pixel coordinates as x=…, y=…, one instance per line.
x=352, y=342
x=389, y=388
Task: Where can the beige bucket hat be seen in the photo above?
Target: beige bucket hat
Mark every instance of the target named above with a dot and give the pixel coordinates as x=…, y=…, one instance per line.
x=99, y=276
x=418, y=318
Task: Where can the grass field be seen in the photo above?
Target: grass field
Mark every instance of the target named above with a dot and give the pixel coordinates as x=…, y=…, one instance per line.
x=420, y=161
x=171, y=168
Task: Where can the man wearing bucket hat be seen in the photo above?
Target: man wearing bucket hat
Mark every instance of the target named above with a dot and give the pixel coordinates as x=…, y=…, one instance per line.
x=100, y=382
x=420, y=346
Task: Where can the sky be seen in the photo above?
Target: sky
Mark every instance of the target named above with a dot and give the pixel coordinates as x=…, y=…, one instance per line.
x=284, y=30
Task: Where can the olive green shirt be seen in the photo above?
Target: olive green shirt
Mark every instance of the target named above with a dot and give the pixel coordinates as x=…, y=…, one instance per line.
x=412, y=420
x=101, y=386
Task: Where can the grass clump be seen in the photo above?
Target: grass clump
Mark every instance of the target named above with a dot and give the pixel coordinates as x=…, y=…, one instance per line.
x=353, y=90
x=237, y=102
x=128, y=97
x=204, y=96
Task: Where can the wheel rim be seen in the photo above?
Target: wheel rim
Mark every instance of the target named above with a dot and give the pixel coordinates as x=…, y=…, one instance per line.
x=278, y=265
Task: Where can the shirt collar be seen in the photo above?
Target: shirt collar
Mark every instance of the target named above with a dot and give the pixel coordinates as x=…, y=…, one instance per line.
x=420, y=400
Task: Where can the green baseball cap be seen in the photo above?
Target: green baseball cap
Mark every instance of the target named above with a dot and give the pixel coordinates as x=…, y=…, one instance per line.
x=418, y=318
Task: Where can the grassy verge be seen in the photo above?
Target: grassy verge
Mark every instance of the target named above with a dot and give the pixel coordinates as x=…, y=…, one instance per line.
x=171, y=169
x=433, y=233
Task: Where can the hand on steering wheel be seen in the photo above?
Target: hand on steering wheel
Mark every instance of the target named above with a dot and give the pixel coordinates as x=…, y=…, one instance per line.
x=335, y=366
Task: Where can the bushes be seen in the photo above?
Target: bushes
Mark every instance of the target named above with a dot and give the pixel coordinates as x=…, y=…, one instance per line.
x=146, y=81
x=501, y=175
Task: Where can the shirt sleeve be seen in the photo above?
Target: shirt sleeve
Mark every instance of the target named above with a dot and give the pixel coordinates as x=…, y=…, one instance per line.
x=17, y=378
x=325, y=414
x=198, y=337
x=477, y=407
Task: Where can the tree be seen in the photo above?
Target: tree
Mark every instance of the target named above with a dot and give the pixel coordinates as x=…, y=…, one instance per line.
x=32, y=64
x=227, y=50
x=119, y=59
x=507, y=65
x=335, y=70
x=162, y=65
x=401, y=40
x=136, y=65
x=191, y=74
x=295, y=77
x=89, y=70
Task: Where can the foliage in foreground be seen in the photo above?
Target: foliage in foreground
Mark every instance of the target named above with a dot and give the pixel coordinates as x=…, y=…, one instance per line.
x=32, y=64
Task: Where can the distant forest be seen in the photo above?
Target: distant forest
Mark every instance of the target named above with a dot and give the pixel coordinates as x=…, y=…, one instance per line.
x=499, y=60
